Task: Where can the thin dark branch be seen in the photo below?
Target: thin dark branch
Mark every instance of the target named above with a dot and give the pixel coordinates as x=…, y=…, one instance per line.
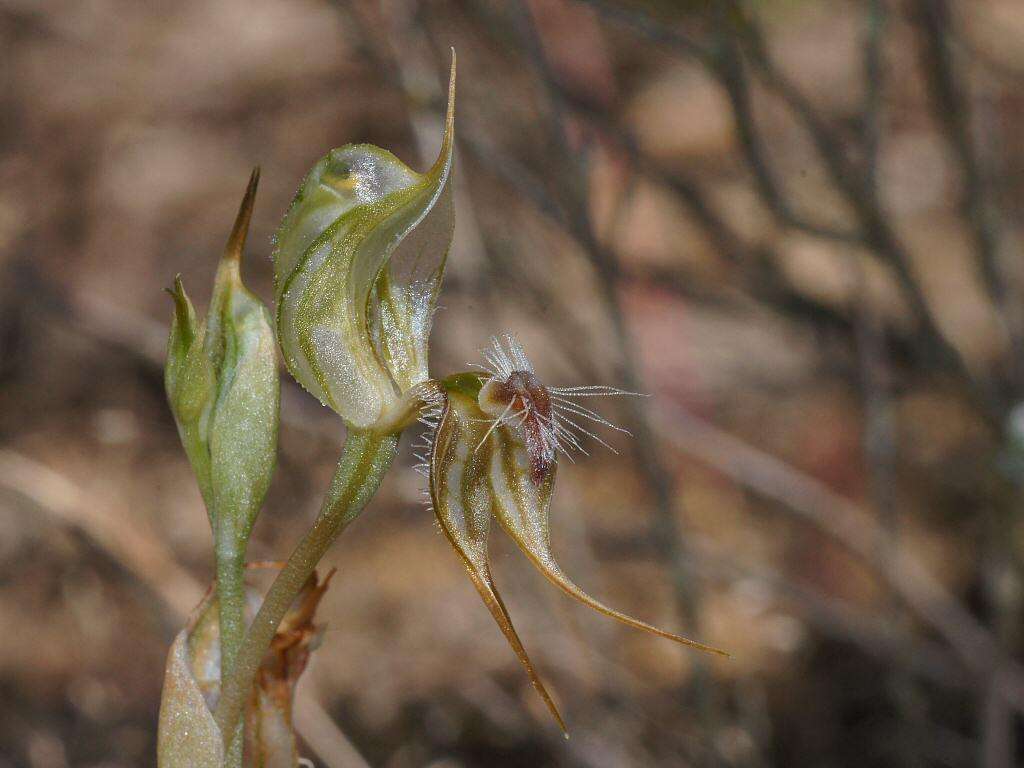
x=878, y=230
x=757, y=271
x=730, y=71
x=831, y=616
x=847, y=523
x=650, y=29
x=849, y=181
x=877, y=18
x=951, y=102
x=952, y=109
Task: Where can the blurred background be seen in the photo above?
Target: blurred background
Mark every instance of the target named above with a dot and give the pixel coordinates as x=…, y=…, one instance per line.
x=796, y=223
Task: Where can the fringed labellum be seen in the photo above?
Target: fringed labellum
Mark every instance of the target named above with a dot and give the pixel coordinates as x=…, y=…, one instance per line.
x=494, y=453
x=358, y=263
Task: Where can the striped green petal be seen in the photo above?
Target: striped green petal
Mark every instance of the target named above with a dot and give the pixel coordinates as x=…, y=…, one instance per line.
x=358, y=262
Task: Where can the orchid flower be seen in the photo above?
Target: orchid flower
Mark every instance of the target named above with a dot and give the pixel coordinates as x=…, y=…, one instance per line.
x=492, y=452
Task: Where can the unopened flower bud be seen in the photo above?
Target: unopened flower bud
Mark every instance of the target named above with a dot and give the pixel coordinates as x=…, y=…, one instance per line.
x=222, y=384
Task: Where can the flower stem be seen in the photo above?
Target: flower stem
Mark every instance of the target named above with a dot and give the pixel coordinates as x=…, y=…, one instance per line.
x=363, y=463
x=231, y=609
x=231, y=605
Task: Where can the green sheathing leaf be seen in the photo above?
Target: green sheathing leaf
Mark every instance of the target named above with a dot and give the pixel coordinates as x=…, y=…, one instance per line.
x=187, y=736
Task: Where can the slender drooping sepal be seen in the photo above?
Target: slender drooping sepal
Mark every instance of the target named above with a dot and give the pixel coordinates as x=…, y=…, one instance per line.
x=530, y=425
x=358, y=262
x=522, y=503
x=460, y=494
x=485, y=464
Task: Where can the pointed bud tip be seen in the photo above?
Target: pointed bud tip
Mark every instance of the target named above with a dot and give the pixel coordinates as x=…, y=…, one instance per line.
x=236, y=242
x=184, y=315
x=177, y=293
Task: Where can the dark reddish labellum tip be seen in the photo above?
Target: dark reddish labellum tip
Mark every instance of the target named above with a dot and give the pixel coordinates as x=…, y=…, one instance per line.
x=530, y=404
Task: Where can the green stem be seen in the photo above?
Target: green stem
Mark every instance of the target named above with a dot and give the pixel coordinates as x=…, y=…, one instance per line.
x=231, y=604
x=231, y=608
x=364, y=461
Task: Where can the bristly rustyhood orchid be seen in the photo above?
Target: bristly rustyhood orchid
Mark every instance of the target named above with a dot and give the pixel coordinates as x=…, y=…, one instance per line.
x=358, y=263
x=492, y=451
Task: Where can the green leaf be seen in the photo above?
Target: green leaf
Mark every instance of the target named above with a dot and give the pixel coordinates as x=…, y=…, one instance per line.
x=243, y=433
x=183, y=332
x=189, y=381
x=358, y=262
